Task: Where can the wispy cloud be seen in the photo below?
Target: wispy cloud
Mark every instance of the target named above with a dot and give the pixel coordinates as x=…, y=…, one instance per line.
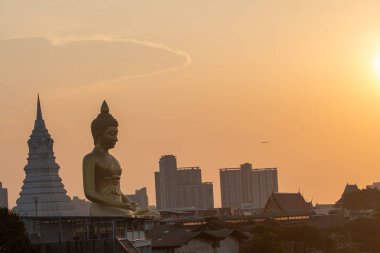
x=61, y=41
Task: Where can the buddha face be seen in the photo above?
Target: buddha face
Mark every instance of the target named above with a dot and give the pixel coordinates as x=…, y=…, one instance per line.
x=108, y=138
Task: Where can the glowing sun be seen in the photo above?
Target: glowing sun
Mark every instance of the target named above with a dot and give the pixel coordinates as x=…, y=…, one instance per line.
x=377, y=64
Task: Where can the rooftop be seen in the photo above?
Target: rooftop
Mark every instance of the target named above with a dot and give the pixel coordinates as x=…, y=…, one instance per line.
x=188, y=168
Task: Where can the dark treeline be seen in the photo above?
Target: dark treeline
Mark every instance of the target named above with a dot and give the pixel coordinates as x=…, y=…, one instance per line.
x=278, y=239
x=13, y=236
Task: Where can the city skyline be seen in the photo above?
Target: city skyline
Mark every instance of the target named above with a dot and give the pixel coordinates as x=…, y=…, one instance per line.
x=239, y=199
x=243, y=187
x=292, y=85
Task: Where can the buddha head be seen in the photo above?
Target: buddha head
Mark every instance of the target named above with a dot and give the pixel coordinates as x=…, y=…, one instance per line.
x=104, y=128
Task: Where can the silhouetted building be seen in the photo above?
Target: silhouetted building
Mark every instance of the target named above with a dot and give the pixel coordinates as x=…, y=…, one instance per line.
x=287, y=205
x=42, y=193
x=375, y=185
x=245, y=186
x=348, y=189
x=181, y=187
x=140, y=197
x=3, y=196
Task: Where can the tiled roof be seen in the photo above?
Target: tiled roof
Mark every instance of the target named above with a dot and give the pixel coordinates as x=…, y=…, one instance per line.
x=289, y=202
x=166, y=236
x=127, y=245
x=348, y=189
x=170, y=236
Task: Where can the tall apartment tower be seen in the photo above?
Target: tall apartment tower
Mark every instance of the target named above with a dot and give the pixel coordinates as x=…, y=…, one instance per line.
x=166, y=182
x=230, y=187
x=42, y=193
x=191, y=191
x=3, y=196
x=181, y=187
x=247, y=187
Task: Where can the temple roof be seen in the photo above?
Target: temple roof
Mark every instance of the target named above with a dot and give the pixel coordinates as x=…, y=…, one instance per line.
x=348, y=189
x=286, y=203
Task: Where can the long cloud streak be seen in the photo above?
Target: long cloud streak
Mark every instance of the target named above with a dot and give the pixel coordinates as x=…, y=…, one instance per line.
x=61, y=41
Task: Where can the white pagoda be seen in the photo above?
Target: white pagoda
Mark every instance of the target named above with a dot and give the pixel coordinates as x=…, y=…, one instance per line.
x=42, y=193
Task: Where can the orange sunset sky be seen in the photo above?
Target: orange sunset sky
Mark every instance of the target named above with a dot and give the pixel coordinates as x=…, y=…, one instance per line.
x=207, y=81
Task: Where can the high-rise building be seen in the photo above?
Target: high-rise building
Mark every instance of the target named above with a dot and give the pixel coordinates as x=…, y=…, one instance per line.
x=140, y=197
x=230, y=187
x=191, y=191
x=247, y=187
x=181, y=187
x=3, y=196
x=42, y=193
x=264, y=182
x=166, y=182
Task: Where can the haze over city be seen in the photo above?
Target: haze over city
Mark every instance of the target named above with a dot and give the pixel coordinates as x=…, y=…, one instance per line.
x=293, y=85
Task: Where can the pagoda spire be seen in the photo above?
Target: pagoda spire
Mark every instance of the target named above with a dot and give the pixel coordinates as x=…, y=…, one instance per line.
x=42, y=190
x=39, y=123
x=39, y=113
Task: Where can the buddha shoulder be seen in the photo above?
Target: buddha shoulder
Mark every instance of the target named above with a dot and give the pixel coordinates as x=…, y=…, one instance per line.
x=90, y=159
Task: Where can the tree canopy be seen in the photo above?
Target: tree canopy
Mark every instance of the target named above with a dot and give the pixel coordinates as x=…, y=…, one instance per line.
x=13, y=237
x=271, y=239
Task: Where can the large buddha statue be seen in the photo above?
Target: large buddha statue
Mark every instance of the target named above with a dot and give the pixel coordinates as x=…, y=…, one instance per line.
x=101, y=172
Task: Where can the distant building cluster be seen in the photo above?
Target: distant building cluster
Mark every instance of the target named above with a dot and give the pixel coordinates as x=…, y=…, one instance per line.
x=375, y=185
x=181, y=187
x=246, y=187
x=140, y=197
x=81, y=206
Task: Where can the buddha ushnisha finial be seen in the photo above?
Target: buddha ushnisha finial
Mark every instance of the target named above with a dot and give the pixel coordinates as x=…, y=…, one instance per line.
x=104, y=108
x=102, y=121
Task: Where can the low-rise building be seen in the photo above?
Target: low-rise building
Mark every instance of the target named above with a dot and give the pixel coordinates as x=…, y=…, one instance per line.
x=78, y=234
x=375, y=185
x=81, y=206
x=183, y=239
x=325, y=209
